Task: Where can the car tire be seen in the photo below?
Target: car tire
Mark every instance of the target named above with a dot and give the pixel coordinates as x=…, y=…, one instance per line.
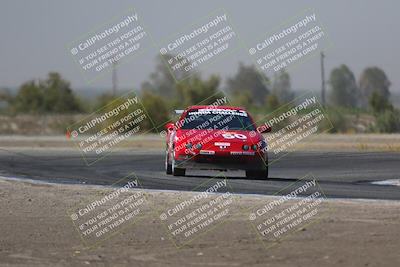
x=179, y=172
x=176, y=171
x=168, y=166
x=168, y=170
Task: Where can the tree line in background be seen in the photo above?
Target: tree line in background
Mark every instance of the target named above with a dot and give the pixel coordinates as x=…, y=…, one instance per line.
x=370, y=94
x=160, y=94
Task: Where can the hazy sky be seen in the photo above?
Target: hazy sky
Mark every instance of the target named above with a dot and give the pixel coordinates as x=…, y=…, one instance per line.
x=34, y=35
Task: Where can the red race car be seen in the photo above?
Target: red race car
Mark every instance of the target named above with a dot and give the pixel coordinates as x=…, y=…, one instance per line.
x=216, y=138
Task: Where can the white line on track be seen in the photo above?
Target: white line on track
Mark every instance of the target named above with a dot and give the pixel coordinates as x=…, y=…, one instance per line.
x=395, y=182
x=193, y=192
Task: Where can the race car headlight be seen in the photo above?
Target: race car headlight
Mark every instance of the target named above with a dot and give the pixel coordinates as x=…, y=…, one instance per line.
x=189, y=145
x=245, y=147
x=263, y=144
x=254, y=147
x=198, y=146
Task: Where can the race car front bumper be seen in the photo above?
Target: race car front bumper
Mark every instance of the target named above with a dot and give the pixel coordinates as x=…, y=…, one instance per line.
x=226, y=161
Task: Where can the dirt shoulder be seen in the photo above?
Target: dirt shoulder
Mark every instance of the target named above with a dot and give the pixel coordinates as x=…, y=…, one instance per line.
x=36, y=230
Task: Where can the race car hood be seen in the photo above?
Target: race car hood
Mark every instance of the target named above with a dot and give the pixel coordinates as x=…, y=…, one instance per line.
x=195, y=136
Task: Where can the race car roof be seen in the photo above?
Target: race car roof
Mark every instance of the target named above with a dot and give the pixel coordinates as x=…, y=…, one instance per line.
x=216, y=107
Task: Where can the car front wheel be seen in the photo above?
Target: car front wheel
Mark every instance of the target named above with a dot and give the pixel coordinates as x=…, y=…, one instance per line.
x=177, y=171
x=168, y=165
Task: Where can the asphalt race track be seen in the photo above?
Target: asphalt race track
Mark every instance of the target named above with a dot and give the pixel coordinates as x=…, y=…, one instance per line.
x=340, y=175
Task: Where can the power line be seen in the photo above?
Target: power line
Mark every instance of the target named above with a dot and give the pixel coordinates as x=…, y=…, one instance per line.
x=322, y=79
x=114, y=78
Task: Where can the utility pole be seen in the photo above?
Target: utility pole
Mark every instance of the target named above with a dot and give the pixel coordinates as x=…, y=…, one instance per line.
x=114, y=78
x=323, y=79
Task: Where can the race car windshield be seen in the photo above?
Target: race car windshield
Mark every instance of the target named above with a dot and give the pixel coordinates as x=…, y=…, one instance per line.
x=216, y=119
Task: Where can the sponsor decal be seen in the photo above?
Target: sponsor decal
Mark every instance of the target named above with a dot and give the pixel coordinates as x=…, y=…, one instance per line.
x=222, y=145
x=217, y=111
x=245, y=153
x=207, y=152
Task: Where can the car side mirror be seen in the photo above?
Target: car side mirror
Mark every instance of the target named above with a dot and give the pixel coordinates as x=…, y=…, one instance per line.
x=170, y=126
x=264, y=129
